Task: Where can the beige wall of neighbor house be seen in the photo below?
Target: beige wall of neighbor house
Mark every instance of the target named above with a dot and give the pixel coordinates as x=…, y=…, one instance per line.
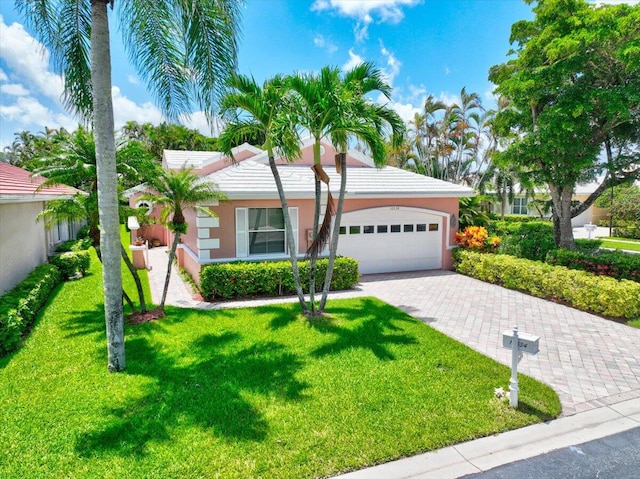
x=23, y=240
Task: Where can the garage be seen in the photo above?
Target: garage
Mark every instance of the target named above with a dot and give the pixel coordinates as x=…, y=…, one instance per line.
x=392, y=238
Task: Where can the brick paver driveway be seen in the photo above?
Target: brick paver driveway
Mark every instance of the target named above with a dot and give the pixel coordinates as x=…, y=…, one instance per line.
x=588, y=360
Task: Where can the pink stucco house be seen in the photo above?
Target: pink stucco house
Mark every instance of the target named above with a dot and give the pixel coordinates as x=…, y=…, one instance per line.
x=393, y=220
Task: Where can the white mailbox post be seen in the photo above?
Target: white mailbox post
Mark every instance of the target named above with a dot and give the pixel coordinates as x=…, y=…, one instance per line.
x=518, y=343
x=590, y=229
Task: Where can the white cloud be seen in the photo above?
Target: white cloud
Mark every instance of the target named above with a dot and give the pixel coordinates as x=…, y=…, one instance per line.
x=393, y=64
x=28, y=60
x=387, y=10
x=449, y=98
x=3, y=76
x=354, y=61
x=198, y=121
x=28, y=112
x=406, y=111
x=447, y=70
x=134, y=80
x=366, y=11
x=126, y=110
x=321, y=42
x=417, y=92
x=13, y=89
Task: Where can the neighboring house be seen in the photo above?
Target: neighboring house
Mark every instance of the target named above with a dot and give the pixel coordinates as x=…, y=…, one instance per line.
x=393, y=220
x=521, y=205
x=24, y=242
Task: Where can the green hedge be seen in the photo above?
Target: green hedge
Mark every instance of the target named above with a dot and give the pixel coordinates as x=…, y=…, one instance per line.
x=19, y=306
x=582, y=290
x=615, y=264
x=74, y=245
x=273, y=278
x=71, y=262
x=531, y=240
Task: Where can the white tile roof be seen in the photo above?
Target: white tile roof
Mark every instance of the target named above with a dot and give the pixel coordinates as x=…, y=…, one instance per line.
x=176, y=159
x=253, y=180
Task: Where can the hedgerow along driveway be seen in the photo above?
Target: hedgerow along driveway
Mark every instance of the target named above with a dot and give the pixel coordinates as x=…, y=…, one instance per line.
x=589, y=361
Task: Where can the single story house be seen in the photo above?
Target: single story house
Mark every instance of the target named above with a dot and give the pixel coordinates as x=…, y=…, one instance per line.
x=521, y=205
x=393, y=220
x=24, y=242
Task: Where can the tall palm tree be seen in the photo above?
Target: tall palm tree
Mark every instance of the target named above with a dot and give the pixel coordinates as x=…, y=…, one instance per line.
x=367, y=122
x=335, y=108
x=184, y=49
x=265, y=112
x=177, y=191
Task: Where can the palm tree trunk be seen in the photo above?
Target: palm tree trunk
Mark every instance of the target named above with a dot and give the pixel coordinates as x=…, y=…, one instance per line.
x=172, y=255
x=136, y=278
x=291, y=244
x=107, y=184
x=333, y=249
x=313, y=259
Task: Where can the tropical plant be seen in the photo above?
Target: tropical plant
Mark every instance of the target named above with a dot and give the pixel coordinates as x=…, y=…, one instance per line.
x=335, y=108
x=183, y=49
x=177, y=191
x=574, y=86
x=265, y=112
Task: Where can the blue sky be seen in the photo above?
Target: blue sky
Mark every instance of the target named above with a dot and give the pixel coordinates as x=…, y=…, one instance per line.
x=424, y=47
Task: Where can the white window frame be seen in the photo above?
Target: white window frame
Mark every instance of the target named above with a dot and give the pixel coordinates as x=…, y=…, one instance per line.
x=242, y=233
x=516, y=209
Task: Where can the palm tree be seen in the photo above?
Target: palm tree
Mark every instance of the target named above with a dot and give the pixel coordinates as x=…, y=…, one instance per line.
x=265, y=112
x=368, y=123
x=184, y=49
x=336, y=108
x=74, y=164
x=177, y=191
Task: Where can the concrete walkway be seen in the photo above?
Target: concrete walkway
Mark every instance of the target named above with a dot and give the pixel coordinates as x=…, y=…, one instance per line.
x=592, y=363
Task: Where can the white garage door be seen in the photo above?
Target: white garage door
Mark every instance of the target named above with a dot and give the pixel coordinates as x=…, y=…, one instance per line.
x=392, y=239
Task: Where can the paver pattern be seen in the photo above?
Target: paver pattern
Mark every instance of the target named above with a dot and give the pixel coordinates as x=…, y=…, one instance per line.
x=588, y=360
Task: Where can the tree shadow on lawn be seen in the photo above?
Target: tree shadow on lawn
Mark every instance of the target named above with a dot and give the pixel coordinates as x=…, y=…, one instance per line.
x=206, y=391
x=377, y=331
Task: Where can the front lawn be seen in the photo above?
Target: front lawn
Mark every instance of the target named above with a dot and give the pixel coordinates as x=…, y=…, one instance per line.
x=620, y=243
x=243, y=393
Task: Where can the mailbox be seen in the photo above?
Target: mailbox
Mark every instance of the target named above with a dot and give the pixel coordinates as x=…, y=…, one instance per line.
x=527, y=343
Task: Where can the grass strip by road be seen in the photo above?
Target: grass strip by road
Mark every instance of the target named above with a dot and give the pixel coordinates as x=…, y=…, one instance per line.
x=623, y=244
x=244, y=393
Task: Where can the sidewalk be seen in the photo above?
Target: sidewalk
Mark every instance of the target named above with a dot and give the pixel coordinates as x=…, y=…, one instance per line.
x=592, y=363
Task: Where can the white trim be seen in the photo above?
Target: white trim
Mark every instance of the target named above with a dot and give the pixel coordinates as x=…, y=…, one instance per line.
x=207, y=222
x=212, y=243
x=242, y=232
x=204, y=233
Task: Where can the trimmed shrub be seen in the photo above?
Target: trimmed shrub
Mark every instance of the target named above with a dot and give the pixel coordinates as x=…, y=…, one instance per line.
x=615, y=264
x=271, y=278
x=582, y=290
x=19, y=307
x=532, y=240
x=71, y=263
x=74, y=245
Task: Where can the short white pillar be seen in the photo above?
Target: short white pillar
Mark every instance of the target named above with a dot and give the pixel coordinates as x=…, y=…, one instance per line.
x=513, y=385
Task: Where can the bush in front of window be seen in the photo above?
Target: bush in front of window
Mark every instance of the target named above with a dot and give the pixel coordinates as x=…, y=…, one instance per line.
x=271, y=278
x=530, y=240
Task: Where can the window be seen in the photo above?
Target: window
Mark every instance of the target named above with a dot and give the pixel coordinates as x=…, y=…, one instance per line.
x=261, y=231
x=343, y=230
x=421, y=227
x=368, y=230
x=395, y=228
x=408, y=228
x=433, y=226
x=266, y=231
x=519, y=206
x=354, y=230
x=382, y=228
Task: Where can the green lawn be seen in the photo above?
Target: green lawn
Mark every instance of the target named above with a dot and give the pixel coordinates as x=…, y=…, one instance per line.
x=621, y=243
x=243, y=393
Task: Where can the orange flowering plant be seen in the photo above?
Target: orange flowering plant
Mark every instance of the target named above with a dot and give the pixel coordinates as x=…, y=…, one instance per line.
x=477, y=238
